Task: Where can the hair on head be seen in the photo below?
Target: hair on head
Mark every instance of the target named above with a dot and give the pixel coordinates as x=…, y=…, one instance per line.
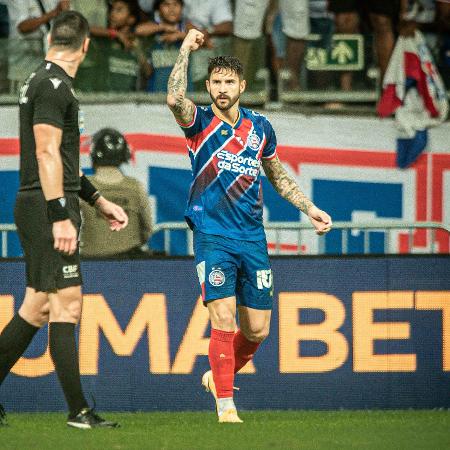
x=69, y=30
x=225, y=62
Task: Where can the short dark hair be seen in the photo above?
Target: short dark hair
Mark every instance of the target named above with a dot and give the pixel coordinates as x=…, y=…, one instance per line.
x=69, y=30
x=225, y=62
x=132, y=6
x=158, y=4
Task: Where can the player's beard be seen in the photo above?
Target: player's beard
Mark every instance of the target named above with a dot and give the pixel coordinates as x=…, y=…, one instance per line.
x=226, y=106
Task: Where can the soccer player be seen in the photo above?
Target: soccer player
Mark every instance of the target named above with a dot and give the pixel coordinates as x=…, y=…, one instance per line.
x=47, y=214
x=227, y=145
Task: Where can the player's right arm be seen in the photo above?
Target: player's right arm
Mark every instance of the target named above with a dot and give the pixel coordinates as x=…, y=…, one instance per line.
x=50, y=105
x=182, y=108
x=48, y=142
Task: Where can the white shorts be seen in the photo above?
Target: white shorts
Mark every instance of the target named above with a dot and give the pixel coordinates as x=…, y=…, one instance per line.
x=249, y=17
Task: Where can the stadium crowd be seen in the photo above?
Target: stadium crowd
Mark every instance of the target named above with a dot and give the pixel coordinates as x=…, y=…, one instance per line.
x=135, y=42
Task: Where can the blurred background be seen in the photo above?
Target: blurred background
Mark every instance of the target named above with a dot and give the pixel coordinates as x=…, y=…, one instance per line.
x=331, y=54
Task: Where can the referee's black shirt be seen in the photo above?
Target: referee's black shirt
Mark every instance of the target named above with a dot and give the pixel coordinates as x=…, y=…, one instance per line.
x=47, y=97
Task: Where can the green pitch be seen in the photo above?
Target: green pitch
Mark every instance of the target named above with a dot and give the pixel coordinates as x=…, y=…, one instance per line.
x=312, y=430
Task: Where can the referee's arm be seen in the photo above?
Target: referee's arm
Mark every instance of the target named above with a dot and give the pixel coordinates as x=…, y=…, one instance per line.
x=114, y=214
x=48, y=142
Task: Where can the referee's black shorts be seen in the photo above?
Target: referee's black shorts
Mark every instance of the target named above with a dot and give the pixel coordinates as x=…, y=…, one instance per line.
x=389, y=8
x=47, y=269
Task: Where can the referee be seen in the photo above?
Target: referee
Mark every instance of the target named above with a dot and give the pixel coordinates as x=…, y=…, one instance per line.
x=47, y=214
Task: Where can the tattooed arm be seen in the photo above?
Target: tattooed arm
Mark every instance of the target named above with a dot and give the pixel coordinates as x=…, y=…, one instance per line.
x=182, y=108
x=286, y=186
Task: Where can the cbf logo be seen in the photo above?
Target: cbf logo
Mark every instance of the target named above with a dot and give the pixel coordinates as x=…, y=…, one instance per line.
x=253, y=141
x=216, y=277
x=70, y=271
x=264, y=279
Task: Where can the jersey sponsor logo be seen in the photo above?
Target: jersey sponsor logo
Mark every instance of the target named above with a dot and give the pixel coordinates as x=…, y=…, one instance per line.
x=70, y=271
x=264, y=279
x=244, y=165
x=216, y=278
x=56, y=82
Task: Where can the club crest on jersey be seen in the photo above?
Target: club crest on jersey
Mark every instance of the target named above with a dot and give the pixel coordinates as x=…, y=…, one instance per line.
x=254, y=141
x=216, y=277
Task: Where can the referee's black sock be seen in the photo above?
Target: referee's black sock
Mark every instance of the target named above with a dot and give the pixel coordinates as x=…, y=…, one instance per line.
x=64, y=354
x=14, y=340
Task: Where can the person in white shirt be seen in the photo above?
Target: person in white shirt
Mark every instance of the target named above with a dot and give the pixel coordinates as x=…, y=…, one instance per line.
x=215, y=20
x=248, y=25
x=29, y=22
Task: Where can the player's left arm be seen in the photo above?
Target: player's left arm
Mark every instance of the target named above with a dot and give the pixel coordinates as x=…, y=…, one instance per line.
x=286, y=186
x=110, y=211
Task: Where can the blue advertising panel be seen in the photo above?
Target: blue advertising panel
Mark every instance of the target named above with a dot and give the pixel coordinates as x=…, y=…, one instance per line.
x=348, y=332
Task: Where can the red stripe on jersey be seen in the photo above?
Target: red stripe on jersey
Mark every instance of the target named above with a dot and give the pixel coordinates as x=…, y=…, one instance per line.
x=210, y=172
x=261, y=150
x=268, y=158
x=238, y=188
x=196, y=141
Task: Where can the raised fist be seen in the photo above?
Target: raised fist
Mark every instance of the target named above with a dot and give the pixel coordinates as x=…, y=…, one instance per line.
x=193, y=40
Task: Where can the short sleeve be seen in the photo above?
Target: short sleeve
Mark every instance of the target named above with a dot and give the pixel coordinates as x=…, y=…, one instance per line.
x=270, y=147
x=221, y=12
x=194, y=126
x=51, y=102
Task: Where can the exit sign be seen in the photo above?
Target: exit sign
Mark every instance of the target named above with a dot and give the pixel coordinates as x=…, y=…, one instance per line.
x=346, y=53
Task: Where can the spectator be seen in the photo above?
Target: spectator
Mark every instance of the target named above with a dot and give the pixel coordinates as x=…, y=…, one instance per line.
x=322, y=23
x=126, y=56
x=96, y=13
x=384, y=17
x=215, y=20
x=443, y=15
x=4, y=21
x=4, y=32
x=346, y=16
x=108, y=151
x=146, y=5
x=249, y=17
x=29, y=23
x=93, y=71
x=168, y=31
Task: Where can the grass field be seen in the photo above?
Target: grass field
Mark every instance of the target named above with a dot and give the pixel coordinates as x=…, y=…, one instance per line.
x=381, y=430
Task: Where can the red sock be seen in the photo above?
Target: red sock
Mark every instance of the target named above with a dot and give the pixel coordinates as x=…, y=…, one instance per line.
x=221, y=360
x=243, y=350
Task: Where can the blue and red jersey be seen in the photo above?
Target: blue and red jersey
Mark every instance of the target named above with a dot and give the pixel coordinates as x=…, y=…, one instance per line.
x=225, y=196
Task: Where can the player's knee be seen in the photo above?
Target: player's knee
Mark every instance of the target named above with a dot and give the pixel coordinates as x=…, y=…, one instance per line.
x=44, y=315
x=256, y=334
x=70, y=312
x=73, y=311
x=225, y=321
x=37, y=317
